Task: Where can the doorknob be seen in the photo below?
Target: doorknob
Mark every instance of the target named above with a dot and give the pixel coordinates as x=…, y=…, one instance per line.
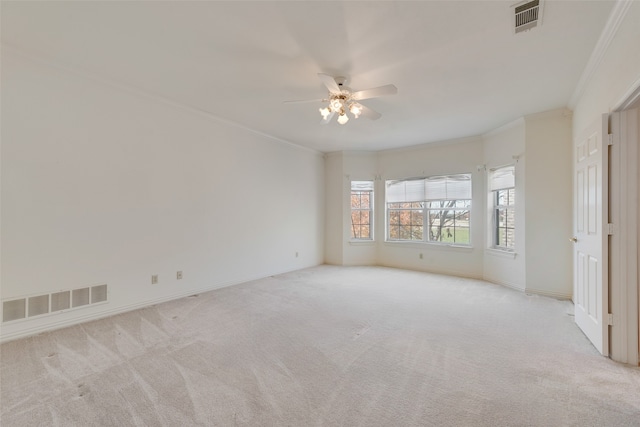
x=573, y=239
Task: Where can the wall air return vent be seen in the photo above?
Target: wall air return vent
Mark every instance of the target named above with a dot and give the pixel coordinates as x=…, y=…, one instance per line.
x=80, y=297
x=527, y=15
x=14, y=310
x=60, y=301
x=38, y=305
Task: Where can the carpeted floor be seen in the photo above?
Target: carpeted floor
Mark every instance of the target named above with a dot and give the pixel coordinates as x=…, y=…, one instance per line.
x=326, y=346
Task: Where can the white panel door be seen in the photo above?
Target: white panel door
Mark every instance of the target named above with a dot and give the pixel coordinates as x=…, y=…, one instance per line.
x=590, y=289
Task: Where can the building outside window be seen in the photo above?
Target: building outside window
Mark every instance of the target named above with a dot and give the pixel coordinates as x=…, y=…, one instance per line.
x=503, y=194
x=434, y=209
x=362, y=210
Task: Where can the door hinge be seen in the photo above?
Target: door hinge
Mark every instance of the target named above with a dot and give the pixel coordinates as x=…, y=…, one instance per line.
x=611, y=229
x=610, y=139
x=610, y=319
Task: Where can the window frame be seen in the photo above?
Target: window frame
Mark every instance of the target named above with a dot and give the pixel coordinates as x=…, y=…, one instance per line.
x=509, y=212
x=426, y=205
x=370, y=210
x=496, y=186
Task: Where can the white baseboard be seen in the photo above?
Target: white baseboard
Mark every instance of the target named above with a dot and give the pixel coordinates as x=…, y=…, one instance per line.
x=54, y=325
x=504, y=283
x=556, y=295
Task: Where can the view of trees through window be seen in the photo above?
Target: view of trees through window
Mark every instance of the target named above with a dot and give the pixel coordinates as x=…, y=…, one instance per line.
x=434, y=209
x=361, y=210
x=406, y=221
x=449, y=221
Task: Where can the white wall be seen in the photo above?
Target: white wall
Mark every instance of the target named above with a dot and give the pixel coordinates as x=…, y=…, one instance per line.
x=500, y=148
x=450, y=157
x=335, y=206
x=549, y=204
x=102, y=185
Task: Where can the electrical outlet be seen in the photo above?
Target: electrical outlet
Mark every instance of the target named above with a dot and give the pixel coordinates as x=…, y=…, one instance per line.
x=296, y=254
x=154, y=279
x=179, y=275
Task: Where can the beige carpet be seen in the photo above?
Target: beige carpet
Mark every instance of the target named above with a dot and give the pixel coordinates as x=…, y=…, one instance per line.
x=326, y=346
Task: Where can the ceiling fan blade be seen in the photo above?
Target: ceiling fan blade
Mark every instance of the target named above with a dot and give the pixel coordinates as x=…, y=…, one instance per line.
x=369, y=113
x=374, y=92
x=328, y=119
x=330, y=83
x=302, y=101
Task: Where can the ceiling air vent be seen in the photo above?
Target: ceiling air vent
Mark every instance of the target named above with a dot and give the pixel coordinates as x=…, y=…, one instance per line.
x=527, y=15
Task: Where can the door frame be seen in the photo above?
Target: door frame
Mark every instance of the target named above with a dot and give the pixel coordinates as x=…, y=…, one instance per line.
x=624, y=244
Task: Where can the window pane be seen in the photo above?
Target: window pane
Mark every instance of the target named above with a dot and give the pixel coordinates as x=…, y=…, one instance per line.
x=510, y=238
x=394, y=232
x=505, y=227
x=416, y=217
x=506, y=197
x=405, y=232
x=355, y=200
x=434, y=234
x=364, y=232
x=394, y=217
x=462, y=235
x=416, y=232
x=364, y=200
x=405, y=217
x=447, y=234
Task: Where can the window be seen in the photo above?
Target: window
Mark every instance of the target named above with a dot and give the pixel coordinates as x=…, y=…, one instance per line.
x=362, y=210
x=502, y=186
x=434, y=209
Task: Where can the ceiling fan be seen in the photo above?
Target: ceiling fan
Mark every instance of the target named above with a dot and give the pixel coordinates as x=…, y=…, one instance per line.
x=342, y=99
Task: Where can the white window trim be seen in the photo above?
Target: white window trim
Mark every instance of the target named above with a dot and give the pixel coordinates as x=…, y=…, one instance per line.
x=370, y=240
x=493, y=248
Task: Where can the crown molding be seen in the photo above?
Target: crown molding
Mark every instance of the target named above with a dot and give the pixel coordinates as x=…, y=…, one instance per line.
x=610, y=29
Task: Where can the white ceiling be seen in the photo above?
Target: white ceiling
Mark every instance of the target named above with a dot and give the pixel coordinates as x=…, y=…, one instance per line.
x=459, y=69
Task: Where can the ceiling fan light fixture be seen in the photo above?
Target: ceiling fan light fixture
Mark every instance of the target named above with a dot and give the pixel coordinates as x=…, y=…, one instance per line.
x=355, y=109
x=343, y=101
x=325, y=112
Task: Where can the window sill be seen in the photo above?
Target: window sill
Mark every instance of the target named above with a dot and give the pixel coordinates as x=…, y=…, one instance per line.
x=501, y=253
x=444, y=246
x=362, y=242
